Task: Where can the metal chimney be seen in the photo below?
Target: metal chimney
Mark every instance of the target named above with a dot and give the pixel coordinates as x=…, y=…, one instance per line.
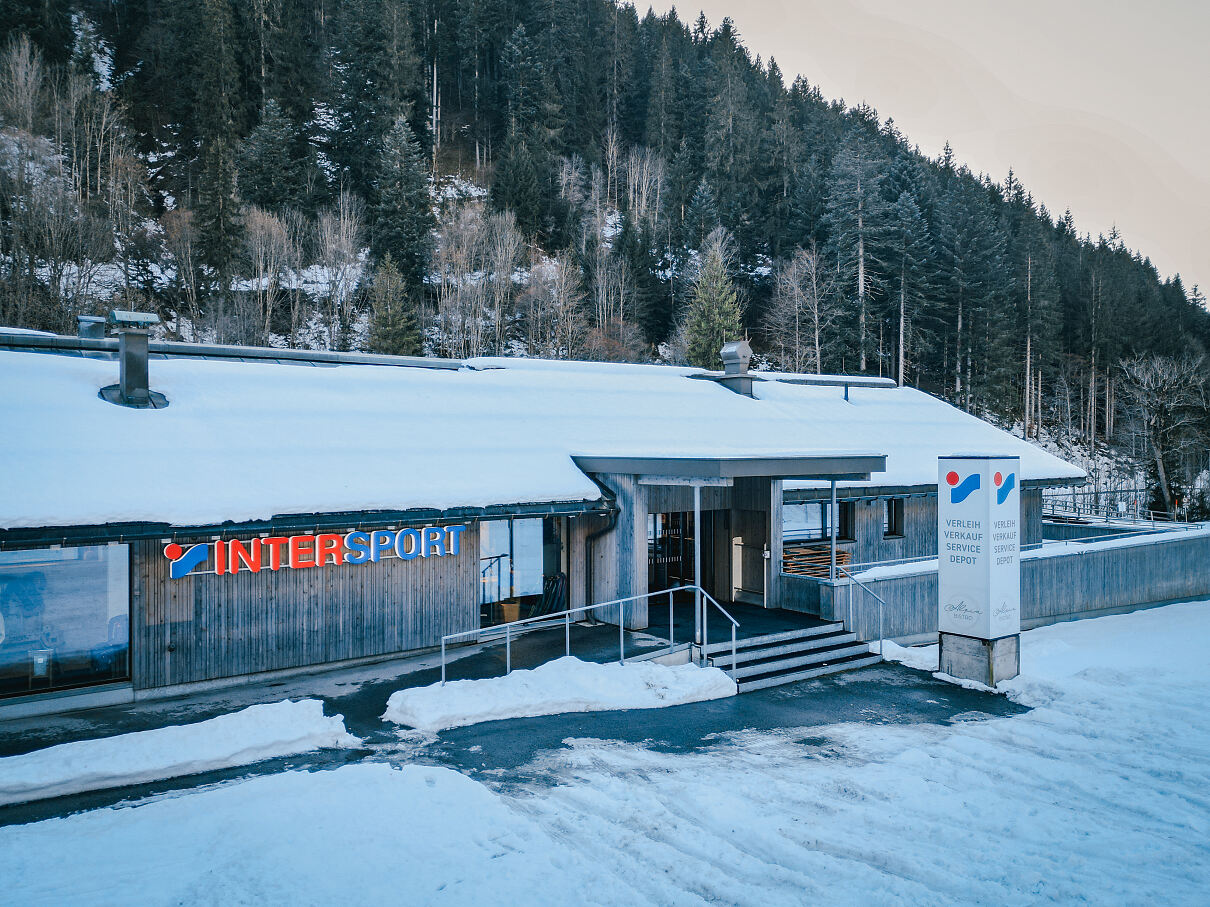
x=736, y=356
x=133, y=388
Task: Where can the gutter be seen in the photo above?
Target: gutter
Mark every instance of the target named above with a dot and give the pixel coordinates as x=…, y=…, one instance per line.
x=611, y=500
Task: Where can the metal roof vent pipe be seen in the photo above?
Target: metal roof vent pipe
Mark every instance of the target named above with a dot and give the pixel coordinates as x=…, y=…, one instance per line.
x=133, y=388
x=90, y=327
x=736, y=356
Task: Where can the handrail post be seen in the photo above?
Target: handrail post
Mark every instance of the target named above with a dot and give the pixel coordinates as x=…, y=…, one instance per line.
x=671, y=628
x=508, y=649
x=880, y=627
x=443, y=661
x=567, y=633
x=621, y=633
x=733, y=656
x=705, y=625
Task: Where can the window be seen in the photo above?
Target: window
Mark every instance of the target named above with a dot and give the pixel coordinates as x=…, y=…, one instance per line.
x=844, y=526
x=520, y=568
x=64, y=617
x=809, y=522
x=805, y=522
x=892, y=518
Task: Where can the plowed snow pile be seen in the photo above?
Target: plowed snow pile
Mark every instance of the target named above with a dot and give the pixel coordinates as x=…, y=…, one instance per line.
x=564, y=685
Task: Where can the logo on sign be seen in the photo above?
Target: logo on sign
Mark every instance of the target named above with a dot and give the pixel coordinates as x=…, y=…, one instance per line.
x=184, y=561
x=961, y=489
x=1004, y=486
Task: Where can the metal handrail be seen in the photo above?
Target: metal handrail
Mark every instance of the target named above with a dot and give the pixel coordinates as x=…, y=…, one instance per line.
x=706, y=596
x=881, y=603
x=545, y=621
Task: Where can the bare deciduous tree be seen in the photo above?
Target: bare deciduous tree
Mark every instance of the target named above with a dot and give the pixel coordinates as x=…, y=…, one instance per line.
x=338, y=236
x=180, y=236
x=1168, y=397
x=803, y=311
x=267, y=246
x=555, y=327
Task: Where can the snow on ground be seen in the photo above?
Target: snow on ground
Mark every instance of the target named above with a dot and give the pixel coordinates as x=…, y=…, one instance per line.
x=1096, y=795
x=564, y=685
x=255, y=733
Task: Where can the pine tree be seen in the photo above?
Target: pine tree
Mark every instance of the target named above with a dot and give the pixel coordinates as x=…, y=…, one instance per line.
x=714, y=315
x=402, y=210
x=701, y=216
x=394, y=329
x=910, y=250
x=516, y=187
x=271, y=175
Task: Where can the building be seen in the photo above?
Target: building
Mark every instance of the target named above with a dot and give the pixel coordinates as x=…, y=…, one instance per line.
x=273, y=510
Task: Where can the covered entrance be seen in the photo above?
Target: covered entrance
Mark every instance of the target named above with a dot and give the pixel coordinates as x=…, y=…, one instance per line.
x=711, y=522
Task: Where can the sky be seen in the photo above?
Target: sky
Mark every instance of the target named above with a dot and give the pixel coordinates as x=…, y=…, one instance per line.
x=1100, y=107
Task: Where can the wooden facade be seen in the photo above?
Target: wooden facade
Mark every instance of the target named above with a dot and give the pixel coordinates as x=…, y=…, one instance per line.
x=205, y=627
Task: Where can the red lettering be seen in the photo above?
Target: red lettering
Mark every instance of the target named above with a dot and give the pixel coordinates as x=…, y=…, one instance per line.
x=275, y=544
x=328, y=544
x=248, y=555
x=298, y=552
x=220, y=558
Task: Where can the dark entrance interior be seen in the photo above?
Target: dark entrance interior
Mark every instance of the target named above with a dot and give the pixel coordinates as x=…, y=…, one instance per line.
x=670, y=551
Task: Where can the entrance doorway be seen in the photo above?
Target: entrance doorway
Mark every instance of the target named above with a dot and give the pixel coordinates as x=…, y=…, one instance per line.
x=670, y=551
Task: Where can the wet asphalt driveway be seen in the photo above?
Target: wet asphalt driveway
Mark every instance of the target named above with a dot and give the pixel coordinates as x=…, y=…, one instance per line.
x=503, y=752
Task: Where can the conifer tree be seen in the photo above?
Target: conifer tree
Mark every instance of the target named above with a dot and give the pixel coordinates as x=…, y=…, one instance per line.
x=516, y=187
x=394, y=328
x=701, y=216
x=715, y=312
x=402, y=210
x=909, y=255
x=271, y=175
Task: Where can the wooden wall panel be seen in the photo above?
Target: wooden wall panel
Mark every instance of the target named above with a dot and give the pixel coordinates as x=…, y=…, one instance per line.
x=203, y=627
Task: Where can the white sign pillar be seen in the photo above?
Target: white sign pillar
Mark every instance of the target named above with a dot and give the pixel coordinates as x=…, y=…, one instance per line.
x=979, y=567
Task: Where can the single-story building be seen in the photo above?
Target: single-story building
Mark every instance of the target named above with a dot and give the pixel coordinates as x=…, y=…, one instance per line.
x=260, y=510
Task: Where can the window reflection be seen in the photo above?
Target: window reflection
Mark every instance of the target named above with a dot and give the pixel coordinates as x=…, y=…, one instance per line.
x=64, y=617
x=520, y=569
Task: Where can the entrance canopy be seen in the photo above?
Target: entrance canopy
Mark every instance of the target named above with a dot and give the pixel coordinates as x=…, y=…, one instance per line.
x=830, y=465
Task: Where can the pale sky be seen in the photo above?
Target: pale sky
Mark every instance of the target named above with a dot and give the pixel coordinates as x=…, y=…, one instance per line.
x=1101, y=106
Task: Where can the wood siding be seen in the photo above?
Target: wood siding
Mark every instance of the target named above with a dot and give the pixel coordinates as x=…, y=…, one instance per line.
x=203, y=627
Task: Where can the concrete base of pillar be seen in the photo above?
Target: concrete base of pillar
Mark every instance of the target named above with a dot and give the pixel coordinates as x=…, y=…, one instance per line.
x=987, y=661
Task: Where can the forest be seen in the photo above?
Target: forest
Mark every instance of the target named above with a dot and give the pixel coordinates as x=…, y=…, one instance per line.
x=558, y=179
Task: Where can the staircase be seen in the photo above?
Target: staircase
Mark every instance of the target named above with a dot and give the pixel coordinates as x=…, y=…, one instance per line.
x=778, y=658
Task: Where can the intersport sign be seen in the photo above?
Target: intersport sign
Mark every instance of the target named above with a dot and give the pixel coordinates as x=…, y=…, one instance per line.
x=298, y=552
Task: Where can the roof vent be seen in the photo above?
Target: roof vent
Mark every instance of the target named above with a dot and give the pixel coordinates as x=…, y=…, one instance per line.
x=132, y=388
x=736, y=356
x=90, y=327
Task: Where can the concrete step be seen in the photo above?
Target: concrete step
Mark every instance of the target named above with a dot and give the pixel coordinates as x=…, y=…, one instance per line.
x=786, y=665
x=844, y=664
x=769, y=638
x=745, y=656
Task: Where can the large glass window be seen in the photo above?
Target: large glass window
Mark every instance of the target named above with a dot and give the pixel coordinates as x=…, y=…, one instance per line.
x=64, y=617
x=520, y=569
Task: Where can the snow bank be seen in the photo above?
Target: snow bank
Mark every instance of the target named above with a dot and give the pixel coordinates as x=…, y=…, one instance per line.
x=255, y=733
x=367, y=833
x=564, y=685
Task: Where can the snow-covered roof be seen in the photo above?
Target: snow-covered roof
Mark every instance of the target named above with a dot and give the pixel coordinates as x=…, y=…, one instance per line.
x=252, y=440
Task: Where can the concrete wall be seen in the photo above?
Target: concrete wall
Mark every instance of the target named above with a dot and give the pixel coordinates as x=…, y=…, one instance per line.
x=1058, y=587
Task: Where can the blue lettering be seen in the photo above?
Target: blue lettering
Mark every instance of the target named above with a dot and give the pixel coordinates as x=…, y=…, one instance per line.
x=359, y=547
x=434, y=542
x=401, y=548
x=454, y=542
x=380, y=540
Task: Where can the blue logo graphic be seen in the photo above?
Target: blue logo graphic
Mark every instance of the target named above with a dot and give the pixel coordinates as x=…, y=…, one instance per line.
x=184, y=562
x=1009, y=483
x=964, y=489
